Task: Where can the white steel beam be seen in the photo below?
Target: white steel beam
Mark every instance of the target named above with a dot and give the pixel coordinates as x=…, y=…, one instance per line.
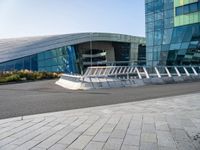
x=139, y=75
x=146, y=73
x=195, y=72
x=168, y=73
x=177, y=72
x=157, y=72
x=186, y=71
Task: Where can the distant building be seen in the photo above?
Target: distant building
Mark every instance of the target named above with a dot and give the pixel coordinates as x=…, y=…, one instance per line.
x=71, y=53
x=172, y=32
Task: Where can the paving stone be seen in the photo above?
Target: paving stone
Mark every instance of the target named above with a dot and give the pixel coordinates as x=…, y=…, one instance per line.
x=58, y=147
x=6, y=141
x=148, y=138
x=113, y=144
x=179, y=135
x=101, y=137
x=81, y=142
x=49, y=141
x=94, y=146
x=167, y=148
x=184, y=145
x=107, y=128
x=82, y=128
x=148, y=128
x=128, y=147
x=27, y=145
x=133, y=131
x=71, y=137
x=165, y=139
x=118, y=134
x=132, y=140
x=9, y=147
x=163, y=126
x=148, y=146
x=96, y=127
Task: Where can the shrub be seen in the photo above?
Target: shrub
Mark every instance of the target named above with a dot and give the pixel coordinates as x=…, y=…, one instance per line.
x=11, y=78
x=26, y=75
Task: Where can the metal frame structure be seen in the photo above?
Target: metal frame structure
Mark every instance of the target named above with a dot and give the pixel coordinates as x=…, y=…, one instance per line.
x=139, y=72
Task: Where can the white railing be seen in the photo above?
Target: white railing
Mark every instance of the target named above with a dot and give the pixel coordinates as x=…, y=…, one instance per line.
x=141, y=72
x=128, y=76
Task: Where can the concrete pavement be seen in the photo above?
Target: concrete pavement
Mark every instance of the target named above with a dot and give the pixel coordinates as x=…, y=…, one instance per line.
x=44, y=96
x=171, y=123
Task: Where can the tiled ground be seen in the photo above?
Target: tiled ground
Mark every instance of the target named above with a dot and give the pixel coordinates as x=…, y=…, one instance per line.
x=171, y=123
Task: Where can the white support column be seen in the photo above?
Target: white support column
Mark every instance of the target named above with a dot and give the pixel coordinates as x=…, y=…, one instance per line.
x=114, y=71
x=100, y=72
x=177, y=72
x=111, y=70
x=132, y=70
x=95, y=72
x=157, y=72
x=128, y=69
x=139, y=75
x=105, y=71
x=168, y=73
x=128, y=72
x=187, y=73
x=120, y=70
x=125, y=68
x=195, y=72
x=146, y=73
x=87, y=72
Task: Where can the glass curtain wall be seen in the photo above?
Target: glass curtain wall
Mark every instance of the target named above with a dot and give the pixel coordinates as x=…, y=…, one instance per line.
x=55, y=60
x=172, y=32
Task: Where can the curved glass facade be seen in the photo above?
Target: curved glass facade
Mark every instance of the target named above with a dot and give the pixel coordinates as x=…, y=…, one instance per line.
x=55, y=60
x=173, y=32
x=69, y=53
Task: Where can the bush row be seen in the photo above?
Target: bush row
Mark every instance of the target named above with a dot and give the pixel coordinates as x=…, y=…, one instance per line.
x=24, y=75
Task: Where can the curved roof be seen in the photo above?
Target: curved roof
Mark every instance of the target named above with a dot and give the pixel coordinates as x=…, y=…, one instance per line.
x=20, y=47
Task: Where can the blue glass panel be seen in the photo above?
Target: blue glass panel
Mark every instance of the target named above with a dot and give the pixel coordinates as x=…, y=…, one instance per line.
x=193, y=7
x=72, y=59
x=34, y=63
x=27, y=63
x=179, y=11
x=19, y=64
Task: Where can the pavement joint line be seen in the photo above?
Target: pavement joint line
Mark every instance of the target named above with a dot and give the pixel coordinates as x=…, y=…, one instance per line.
x=80, y=134
x=111, y=132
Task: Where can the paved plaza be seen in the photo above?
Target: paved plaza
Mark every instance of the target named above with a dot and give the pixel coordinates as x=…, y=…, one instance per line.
x=171, y=123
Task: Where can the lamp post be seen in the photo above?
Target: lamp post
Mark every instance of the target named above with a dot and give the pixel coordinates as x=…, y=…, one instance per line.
x=91, y=49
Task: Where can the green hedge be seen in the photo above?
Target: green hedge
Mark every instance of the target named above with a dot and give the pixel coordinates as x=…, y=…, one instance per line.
x=24, y=75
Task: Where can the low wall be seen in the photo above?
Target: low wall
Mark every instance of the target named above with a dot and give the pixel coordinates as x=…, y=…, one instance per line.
x=88, y=83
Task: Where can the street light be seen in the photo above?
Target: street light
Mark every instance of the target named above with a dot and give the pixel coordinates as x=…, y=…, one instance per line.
x=91, y=49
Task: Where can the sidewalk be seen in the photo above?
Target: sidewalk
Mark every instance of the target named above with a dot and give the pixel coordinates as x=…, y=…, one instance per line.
x=171, y=123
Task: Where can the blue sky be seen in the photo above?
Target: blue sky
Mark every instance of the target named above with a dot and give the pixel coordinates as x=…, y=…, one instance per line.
x=19, y=18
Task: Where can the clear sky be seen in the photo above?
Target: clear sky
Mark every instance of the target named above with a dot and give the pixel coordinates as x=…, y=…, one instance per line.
x=20, y=18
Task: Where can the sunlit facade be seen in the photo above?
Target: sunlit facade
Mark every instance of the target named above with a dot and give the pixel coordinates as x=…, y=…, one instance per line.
x=172, y=32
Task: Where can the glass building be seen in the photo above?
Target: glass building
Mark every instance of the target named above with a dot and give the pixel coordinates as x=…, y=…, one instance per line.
x=172, y=32
x=70, y=53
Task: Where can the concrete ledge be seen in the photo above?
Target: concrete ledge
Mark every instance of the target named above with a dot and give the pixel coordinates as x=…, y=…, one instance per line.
x=196, y=77
x=157, y=81
x=178, y=79
x=147, y=81
x=187, y=78
x=168, y=80
x=79, y=83
x=139, y=82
